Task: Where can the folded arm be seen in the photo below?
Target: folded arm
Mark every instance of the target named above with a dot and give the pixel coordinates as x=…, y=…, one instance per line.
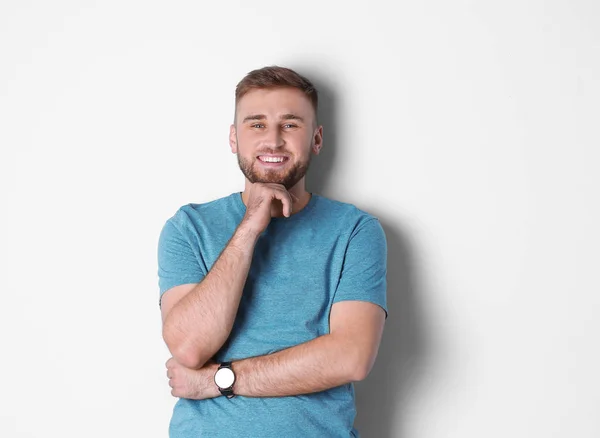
x=344, y=355
x=198, y=318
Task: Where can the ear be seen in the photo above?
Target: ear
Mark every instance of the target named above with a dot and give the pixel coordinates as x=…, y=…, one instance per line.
x=317, y=140
x=233, y=139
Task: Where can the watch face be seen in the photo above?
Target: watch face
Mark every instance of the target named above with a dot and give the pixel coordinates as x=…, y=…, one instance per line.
x=224, y=378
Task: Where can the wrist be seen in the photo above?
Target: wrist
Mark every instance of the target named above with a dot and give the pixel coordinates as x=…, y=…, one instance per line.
x=214, y=389
x=245, y=236
x=241, y=382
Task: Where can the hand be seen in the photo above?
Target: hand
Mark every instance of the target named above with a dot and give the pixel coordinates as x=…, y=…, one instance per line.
x=260, y=199
x=192, y=384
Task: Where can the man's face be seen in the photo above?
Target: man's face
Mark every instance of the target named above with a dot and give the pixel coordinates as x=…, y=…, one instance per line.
x=274, y=134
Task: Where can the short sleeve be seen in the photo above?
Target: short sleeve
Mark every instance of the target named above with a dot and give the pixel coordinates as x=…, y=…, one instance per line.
x=364, y=269
x=177, y=263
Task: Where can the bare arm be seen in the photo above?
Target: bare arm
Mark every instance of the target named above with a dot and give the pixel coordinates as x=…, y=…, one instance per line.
x=196, y=323
x=345, y=355
x=197, y=319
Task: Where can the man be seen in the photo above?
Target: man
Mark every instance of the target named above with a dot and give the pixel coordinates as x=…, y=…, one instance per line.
x=273, y=300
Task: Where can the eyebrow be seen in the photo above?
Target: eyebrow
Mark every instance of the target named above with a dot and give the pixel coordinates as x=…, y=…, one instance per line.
x=288, y=116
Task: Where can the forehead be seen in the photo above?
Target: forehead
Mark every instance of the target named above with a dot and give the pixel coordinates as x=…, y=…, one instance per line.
x=274, y=101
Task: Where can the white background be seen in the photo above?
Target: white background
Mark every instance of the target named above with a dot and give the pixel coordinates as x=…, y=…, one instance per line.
x=469, y=128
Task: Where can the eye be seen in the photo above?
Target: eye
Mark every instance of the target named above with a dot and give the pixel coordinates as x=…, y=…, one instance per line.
x=290, y=125
x=257, y=125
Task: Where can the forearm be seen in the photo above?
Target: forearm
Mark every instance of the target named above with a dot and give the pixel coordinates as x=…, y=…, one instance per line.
x=322, y=363
x=200, y=323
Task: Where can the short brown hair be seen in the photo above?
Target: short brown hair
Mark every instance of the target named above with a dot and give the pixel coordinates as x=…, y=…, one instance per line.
x=275, y=76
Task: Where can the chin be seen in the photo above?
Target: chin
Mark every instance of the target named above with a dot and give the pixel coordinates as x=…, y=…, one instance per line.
x=288, y=177
x=272, y=180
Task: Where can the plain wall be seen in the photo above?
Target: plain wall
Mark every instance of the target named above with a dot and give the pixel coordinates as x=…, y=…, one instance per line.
x=469, y=128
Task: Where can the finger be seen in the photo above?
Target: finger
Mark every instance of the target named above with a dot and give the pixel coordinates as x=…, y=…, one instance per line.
x=290, y=203
x=284, y=196
x=275, y=185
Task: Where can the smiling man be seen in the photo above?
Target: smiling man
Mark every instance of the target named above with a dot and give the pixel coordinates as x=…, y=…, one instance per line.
x=273, y=300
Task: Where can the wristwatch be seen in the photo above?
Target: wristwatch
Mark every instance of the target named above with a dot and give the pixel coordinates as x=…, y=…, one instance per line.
x=225, y=378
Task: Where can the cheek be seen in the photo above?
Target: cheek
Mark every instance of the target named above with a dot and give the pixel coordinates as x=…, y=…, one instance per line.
x=299, y=140
x=247, y=139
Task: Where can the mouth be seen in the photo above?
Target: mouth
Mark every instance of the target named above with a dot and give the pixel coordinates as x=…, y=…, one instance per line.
x=272, y=160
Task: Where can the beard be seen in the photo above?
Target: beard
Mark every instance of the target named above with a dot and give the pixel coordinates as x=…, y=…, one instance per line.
x=288, y=176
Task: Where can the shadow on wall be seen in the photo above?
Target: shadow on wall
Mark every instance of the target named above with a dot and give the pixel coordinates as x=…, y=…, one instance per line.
x=382, y=400
x=322, y=166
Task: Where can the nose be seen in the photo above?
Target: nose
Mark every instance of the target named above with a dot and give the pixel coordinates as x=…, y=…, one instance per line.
x=273, y=138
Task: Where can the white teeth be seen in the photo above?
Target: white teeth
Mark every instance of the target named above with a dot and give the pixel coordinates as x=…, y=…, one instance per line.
x=272, y=159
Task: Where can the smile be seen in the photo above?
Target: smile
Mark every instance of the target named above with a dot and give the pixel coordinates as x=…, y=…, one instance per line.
x=272, y=159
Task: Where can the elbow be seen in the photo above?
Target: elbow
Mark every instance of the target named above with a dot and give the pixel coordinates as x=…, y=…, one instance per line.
x=361, y=371
x=358, y=361
x=189, y=359
x=361, y=365
x=183, y=352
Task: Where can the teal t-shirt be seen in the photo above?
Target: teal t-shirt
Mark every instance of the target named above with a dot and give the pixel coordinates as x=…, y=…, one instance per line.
x=329, y=251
